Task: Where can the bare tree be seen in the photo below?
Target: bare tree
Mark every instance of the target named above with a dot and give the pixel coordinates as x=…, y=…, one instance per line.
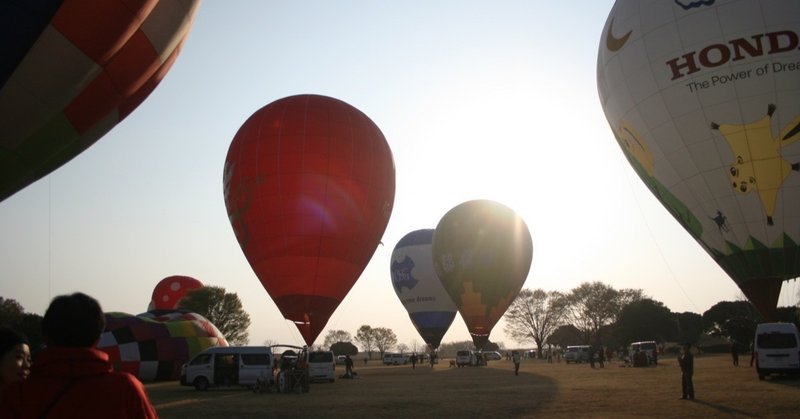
x=384, y=338
x=414, y=345
x=335, y=336
x=402, y=347
x=365, y=338
x=534, y=315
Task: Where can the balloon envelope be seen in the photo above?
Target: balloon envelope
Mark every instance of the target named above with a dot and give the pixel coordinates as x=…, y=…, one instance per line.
x=309, y=187
x=704, y=100
x=71, y=70
x=154, y=345
x=415, y=282
x=170, y=290
x=482, y=252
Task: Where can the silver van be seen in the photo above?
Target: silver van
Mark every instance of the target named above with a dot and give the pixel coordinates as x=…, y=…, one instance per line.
x=322, y=366
x=466, y=357
x=577, y=354
x=228, y=366
x=777, y=349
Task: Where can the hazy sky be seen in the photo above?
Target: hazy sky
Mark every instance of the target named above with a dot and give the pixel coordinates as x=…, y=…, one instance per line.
x=476, y=99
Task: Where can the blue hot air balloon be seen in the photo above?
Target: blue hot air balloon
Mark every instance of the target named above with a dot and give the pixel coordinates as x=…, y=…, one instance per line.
x=419, y=289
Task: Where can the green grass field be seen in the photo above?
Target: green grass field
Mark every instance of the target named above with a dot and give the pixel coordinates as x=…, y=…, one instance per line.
x=541, y=390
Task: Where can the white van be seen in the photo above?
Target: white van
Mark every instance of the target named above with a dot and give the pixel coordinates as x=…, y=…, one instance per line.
x=577, y=354
x=228, y=366
x=394, y=359
x=777, y=347
x=466, y=357
x=649, y=348
x=322, y=366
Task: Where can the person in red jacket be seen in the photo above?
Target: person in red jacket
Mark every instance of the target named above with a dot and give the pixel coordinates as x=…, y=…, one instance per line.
x=70, y=378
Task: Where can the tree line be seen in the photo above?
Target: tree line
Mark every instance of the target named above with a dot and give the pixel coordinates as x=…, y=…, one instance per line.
x=221, y=308
x=597, y=314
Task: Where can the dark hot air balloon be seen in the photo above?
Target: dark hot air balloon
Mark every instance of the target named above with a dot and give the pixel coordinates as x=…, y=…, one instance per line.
x=482, y=252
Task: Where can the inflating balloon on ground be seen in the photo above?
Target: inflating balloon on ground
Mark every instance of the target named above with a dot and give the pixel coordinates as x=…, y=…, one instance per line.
x=169, y=291
x=154, y=345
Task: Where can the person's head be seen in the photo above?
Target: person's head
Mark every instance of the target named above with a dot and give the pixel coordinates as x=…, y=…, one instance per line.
x=15, y=356
x=687, y=347
x=73, y=320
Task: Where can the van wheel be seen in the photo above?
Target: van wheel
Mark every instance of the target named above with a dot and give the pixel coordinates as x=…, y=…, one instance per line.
x=332, y=380
x=201, y=384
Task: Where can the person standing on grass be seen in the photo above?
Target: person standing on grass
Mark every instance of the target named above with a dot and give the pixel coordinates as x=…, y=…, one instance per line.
x=601, y=356
x=348, y=366
x=515, y=358
x=686, y=361
x=413, y=360
x=735, y=354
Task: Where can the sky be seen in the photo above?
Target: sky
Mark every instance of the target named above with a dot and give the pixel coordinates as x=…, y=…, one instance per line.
x=477, y=100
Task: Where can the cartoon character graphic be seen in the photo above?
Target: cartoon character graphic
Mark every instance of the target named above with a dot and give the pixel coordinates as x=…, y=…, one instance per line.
x=641, y=158
x=758, y=164
x=401, y=274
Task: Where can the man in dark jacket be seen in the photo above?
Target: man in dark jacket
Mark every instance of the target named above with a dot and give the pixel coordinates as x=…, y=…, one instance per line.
x=686, y=361
x=70, y=378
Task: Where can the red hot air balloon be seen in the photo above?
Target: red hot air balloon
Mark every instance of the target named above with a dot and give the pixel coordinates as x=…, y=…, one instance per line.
x=71, y=70
x=170, y=290
x=309, y=187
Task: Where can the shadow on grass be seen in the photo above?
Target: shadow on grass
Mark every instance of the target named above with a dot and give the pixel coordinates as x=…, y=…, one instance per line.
x=722, y=409
x=381, y=392
x=785, y=380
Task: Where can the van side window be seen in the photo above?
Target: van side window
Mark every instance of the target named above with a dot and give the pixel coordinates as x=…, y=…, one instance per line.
x=255, y=359
x=201, y=359
x=777, y=341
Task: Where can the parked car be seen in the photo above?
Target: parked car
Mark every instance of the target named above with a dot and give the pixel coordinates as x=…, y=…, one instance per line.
x=492, y=356
x=576, y=354
x=340, y=359
x=777, y=349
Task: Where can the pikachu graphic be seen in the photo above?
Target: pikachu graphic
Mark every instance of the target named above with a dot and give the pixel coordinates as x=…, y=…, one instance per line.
x=759, y=165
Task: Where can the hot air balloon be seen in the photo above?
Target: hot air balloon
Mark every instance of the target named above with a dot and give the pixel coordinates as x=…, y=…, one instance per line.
x=170, y=290
x=703, y=97
x=71, y=70
x=482, y=251
x=414, y=280
x=309, y=187
x=154, y=345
